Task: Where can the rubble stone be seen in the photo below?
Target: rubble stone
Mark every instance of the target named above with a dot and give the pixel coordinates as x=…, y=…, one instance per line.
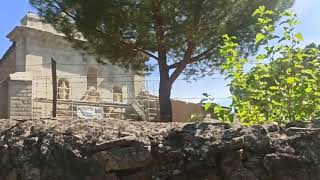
x=124, y=150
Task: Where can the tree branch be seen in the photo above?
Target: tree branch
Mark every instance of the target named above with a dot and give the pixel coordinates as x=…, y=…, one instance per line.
x=65, y=10
x=193, y=59
x=201, y=55
x=187, y=58
x=147, y=53
x=175, y=65
x=182, y=65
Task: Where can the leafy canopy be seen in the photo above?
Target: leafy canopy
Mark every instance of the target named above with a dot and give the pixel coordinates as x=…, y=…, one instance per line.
x=122, y=29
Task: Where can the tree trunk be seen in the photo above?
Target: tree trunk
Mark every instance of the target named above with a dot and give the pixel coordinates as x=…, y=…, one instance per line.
x=164, y=95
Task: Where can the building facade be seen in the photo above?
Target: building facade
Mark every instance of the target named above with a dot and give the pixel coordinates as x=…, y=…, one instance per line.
x=85, y=87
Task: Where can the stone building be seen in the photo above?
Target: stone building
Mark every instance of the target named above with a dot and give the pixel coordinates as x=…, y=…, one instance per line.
x=85, y=88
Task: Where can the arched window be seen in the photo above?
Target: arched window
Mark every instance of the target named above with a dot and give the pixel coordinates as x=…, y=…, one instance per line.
x=63, y=89
x=117, y=94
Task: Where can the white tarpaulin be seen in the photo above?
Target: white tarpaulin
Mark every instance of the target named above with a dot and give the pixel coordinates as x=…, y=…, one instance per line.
x=89, y=112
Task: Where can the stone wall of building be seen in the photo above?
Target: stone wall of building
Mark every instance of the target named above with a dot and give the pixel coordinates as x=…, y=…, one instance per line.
x=4, y=99
x=123, y=150
x=7, y=67
x=73, y=67
x=20, y=96
x=79, y=71
x=7, y=63
x=40, y=42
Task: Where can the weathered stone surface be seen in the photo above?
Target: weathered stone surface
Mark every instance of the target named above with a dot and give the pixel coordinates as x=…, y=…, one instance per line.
x=122, y=150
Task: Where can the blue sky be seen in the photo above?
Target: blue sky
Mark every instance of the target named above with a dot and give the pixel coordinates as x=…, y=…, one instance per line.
x=12, y=11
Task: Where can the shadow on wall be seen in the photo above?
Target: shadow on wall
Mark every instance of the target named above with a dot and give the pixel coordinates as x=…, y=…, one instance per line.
x=4, y=85
x=182, y=111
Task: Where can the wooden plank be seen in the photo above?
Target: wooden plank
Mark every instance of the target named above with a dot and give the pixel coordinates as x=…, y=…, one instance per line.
x=54, y=87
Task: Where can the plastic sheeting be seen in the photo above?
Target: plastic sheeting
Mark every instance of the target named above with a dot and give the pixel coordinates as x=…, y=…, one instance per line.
x=89, y=112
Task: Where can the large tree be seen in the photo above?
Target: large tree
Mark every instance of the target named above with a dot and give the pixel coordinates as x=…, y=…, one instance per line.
x=181, y=35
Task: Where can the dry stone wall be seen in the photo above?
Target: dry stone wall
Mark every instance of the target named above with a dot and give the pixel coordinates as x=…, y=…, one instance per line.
x=122, y=150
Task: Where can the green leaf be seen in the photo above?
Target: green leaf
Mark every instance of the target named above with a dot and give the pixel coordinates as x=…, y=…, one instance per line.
x=261, y=57
x=307, y=71
x=269, y=12
x=290, y=80
x=294, y=22
x=259, y=37
x=273, y=88
x=287, y=13
x=205, y=94
x=217, y=109
x=259, y=11
x=300, y=56
x=207, y=106
x=299, y=36
x=226, y=37
x=256, y=12
x=276, y=103
x=308, y=89
x=262, y=8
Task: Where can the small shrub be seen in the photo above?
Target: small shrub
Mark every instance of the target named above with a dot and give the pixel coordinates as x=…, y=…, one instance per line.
x=286, y=89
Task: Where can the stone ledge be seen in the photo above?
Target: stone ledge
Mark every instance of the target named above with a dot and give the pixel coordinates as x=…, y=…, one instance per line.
x=21, y=76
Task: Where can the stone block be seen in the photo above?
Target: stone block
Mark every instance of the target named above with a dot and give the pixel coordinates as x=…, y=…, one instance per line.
x=20, y=98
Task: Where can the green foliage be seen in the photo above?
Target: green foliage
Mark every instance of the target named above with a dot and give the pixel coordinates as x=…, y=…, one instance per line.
x=224, y=114
x=285, y=89
x=122, y=29
x=196, y=118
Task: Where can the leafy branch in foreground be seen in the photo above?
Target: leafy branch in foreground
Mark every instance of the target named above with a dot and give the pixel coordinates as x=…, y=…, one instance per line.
x=224, y=114
x=284, y=85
